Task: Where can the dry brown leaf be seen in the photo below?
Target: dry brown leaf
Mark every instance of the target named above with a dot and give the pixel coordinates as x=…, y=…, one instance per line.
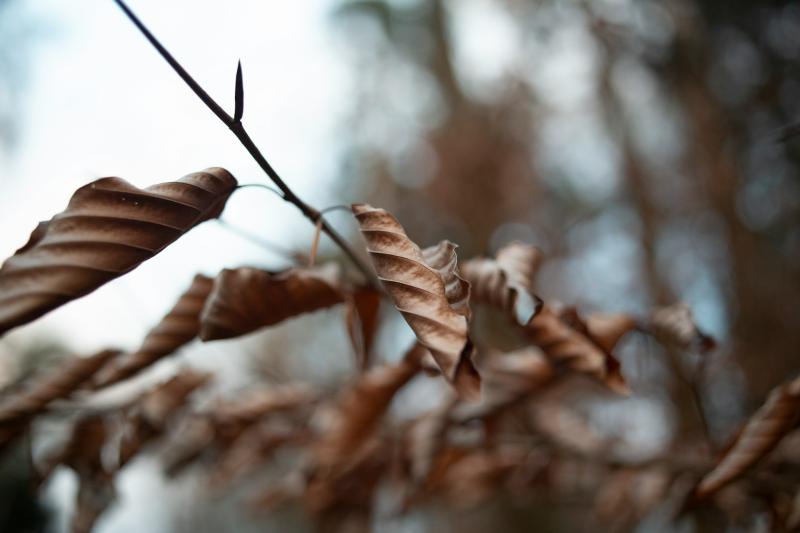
x=793, y=518
x=255, y=404
x=675, y=326
x=425, y=438
x=109, y=228
x=506, y=281
x=350, y=483
x=18, y=408
x=288, y=488
x=478, y=476
x=566, y=340
x=84, y=454
x=430, y=295
x=606, y=329
x=208, y=432
x=188, y=442
x=149, y=416
x=627, y=495
x=363, y=309
x=246, y=299
x=507, y=379
x=758, y=437
x=253, y=447
x=361, y=407
x=180, y=326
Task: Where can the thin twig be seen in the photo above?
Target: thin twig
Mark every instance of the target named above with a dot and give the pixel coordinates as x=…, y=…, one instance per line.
x=340, y=207
x=312, y=257
x=238, y=129
x=273, y=190
x=255, y=239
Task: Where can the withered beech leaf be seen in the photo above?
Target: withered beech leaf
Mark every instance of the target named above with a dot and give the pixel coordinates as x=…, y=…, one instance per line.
x=225, y=421
x=506, y=281
x=362, y=405
x=675, y=326
x=59, y=382
x=758, y=437
x=627, y=495
x=187, y=442
x=363, y=309
x=109, y=228
x=442, y=258
x=286, y=489
x=425, y=438
x=507, y=379
x=563, y=336
x=475, y=477
x=83, y=453
x=246, y=299
x=254, y=404
x=606, y=329
x=253, y=447
x=180, y=326
x=432, y=298
x=148, y=418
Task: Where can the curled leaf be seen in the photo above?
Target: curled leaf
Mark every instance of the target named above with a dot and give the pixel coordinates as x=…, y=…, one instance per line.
x=627, y=495
x=177, y=328
x=564, y=337
x=246, y=299
x=257, y=403
x=206, y=433
x=506, y=281
x=253, y=447
x=109, y=228
x=149, y=416
x=361, y=406
x=758, y=437
x=425, y=440
x=675, y=326
x=507, y=379
x=475, y=477
x=84, y=454
x=187, y=443
x=426, y=289
x=606, y=329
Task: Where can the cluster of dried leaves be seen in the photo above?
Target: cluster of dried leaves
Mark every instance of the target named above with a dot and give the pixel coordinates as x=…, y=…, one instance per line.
x=501, y=430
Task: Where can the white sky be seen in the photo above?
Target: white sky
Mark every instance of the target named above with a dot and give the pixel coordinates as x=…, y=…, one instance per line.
x=101, y=102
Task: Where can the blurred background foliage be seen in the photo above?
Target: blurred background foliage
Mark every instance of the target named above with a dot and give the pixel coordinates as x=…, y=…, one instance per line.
x=638, y=143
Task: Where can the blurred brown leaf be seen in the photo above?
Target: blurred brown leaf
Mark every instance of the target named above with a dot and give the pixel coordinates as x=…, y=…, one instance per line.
x=149, y=416
x=20, y=406
x=563, y=336
x=180, y=326
x=506, y=281
x=246, y=299
x=675, y=326
x=361, y=406
x=758, y=437
x=606, y=329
